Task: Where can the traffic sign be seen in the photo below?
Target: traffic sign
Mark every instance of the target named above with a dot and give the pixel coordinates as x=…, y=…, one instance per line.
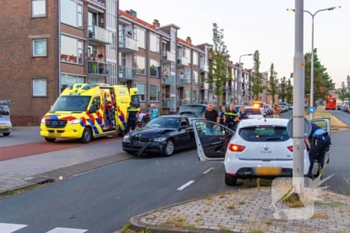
x=311, y=109
x=307, y=127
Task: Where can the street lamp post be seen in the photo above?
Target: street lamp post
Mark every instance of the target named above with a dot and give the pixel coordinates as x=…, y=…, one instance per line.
x=240, y=78
x=312, y=53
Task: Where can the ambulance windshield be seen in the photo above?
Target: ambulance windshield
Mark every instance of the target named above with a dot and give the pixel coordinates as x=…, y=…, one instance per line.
x=71, y=103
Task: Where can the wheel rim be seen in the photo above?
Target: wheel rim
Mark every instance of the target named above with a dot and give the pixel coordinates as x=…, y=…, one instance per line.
x=169, y=148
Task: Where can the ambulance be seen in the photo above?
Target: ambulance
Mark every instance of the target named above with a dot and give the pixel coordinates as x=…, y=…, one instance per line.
x=85, y=111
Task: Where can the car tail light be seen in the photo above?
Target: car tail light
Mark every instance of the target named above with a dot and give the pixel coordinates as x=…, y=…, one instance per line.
x=291, y=148
x=236, y=148
x=231, y=174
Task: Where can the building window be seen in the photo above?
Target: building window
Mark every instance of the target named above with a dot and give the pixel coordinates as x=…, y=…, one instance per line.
x=187, y=95
x=195, y=58
x=154, y=93
x=195, y=77
x=142, y=90
x=38, y=8
x=154, y=68
x=141, y=38
x=39, y=87
x=194, y=96
x=188, y=55
x=173, y=41
x=141, y=65
x=39, y=47
x=71, y=50
x=72, y=13
x=154, y=43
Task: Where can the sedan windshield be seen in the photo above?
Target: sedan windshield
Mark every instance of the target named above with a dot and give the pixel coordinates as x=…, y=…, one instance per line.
x=71, y=103
x=164, y=122
x=264, y=133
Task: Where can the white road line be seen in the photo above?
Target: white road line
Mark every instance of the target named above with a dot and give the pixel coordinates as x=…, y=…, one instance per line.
x=207, y=171
x=66, y=230
x=9, y=227
x=185, y=185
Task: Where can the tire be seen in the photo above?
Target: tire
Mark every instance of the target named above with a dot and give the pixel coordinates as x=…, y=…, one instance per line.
x=169, y=148
x=87, y=135
x=6, y=134
x=130, y=152
x=50, y=139
x=230, y=181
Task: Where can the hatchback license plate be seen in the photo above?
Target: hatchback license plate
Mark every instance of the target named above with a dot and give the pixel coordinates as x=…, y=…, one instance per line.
x=268, y=171
x=4, y=127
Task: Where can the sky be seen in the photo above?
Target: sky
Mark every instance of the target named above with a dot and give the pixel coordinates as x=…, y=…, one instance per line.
x=263, y=25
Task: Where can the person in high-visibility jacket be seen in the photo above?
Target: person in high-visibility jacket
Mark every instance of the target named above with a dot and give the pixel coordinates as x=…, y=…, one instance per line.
x=132, y=117
x=231, y=117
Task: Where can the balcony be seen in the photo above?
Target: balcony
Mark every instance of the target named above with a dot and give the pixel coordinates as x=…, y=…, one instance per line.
x=98, y=3
x=127, y=44
x=204, y=68
x=168, y=103
x=227, y=89
x=183, y=61
x=98, y=69
x=204, y=86
x=211, y=86
x=168, y=57
x=180, y=102
x=128, y=73
x=195, y=81
x=181, y=82
x=168, y=80
x=99, y=35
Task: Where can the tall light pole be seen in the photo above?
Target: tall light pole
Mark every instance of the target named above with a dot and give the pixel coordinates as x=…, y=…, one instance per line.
x=312, y=53
x=240, y=77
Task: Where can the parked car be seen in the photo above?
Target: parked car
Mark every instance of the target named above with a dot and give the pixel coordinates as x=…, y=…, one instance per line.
x=163, y=135
x=290, y=107
x=5, y=120
x=253, y=112
x=260, y=148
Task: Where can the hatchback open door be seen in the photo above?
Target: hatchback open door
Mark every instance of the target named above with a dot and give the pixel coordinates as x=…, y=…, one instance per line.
x=211, y=140
x=325, y=124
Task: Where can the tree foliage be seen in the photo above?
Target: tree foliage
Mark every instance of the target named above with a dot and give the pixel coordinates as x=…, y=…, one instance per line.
x=283, y=90
x=272, y=88
x=289, y=91
x=219, y=72
x=322, y=81
x=342, y=92
x=257, y=85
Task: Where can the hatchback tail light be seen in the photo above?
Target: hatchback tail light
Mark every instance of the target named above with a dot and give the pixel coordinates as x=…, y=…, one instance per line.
x=291, y=148
x=236, y=148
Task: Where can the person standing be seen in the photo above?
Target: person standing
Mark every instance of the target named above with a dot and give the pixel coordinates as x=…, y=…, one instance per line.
x=231, y=117
x=242, y=114
x=317, y=144
x=276, y=110
x=153, y=112
x=132, y=118
x=221, y=114
x=211, y=115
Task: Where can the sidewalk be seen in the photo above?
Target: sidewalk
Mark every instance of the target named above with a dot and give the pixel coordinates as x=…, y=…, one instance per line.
x=248, y=211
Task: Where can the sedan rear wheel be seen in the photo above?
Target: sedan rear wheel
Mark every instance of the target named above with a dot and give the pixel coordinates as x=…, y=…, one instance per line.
x=229, y=180
x=169, y=148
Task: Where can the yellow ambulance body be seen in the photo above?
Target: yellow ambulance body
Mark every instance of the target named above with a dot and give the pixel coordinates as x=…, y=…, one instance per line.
x=85, y=111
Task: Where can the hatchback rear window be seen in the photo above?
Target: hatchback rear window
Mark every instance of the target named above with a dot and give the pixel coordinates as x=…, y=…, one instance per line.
x=264, y=133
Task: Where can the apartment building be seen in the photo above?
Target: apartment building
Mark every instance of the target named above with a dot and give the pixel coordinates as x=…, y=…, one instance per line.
x=51, y=44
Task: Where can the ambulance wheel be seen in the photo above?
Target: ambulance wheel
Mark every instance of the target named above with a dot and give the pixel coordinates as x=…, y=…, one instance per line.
x=50, y=139
x=87, y=135
x=6, y=134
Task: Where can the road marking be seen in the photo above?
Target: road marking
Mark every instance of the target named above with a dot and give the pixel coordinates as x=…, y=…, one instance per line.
x=207, y=171
x=9, y=227
x=66, y=230
x=185, y=185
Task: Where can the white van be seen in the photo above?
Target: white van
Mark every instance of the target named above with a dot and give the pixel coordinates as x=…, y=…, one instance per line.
x=5, y=120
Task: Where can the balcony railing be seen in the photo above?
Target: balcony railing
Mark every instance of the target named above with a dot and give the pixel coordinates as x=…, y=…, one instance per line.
x=168, y=80
x=204, y=68
x=204, y=86
x=195, y=81
x=182, y=61
x=183, y=81
x=168, y=103
x=99, y=68
x=227, y=89
x=180, y=102
x=168, y=56
x=127, y=73
x=211, y=86
x=127, y=44
x=100, y=35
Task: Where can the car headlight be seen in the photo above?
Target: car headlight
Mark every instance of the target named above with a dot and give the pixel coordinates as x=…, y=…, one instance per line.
x=126, y=138
x=43, y=121
x=76, y=121
x=159, y=139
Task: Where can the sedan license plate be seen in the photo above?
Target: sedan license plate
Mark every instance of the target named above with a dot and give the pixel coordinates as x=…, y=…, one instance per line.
x=136, y=143
x=268, y=171
x=4, y=127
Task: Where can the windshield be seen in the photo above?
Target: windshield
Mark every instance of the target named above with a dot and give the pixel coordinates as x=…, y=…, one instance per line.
x=71, y=103
x=196, y=109
x=253, y=111
x=4, y=111
x=164, y=122
x=264, y=133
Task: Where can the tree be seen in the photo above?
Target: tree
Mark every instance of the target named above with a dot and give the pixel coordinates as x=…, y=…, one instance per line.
x=348, y=84
x=257, y=85
x=219, y=67
x=343, y=91
x=272, y=87
x=322, y=81
x=289, y=91
x=283, y=89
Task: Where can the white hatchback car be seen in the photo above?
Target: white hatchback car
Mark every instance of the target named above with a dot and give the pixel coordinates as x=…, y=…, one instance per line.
x=260, y=148
x=254, y=113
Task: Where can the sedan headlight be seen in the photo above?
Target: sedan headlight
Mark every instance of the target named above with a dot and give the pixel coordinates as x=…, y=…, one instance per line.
x=126, y=138
x=43, y=121
x=76, y=121
x=159, y=139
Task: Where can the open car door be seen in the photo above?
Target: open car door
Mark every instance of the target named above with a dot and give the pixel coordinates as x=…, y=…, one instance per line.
x=325, y=124
x=211, y=140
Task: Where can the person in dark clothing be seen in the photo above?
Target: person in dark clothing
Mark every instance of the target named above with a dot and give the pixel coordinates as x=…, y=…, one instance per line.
x=317, y=144
x=221, y=114
x=211, y=115
x=132, y=117
x=231, y=117
x=242, y=114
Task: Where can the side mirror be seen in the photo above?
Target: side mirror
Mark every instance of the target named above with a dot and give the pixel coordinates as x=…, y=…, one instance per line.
x=93, y=109
x=182, y=127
